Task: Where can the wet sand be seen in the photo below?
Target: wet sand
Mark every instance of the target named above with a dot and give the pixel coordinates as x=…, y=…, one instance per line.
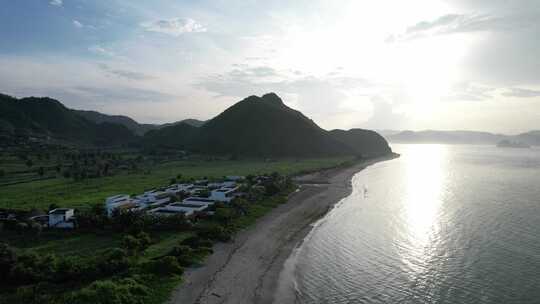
x=247, y=269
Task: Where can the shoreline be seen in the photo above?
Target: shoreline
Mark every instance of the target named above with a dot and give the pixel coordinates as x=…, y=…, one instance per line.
x=247, y=269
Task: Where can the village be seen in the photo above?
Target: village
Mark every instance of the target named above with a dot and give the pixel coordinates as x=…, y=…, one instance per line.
x=187, y=199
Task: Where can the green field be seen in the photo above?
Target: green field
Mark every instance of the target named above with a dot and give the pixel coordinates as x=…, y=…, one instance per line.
x=82, y=194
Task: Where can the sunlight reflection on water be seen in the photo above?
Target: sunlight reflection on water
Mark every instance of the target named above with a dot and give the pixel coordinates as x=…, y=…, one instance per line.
x=441, y=224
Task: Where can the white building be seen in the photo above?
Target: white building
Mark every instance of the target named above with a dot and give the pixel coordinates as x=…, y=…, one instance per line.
x=152, y=198
x=179, y=188
x=117, y=201
x=199, y=201
x=61, y=218
x=225, y=194
x=178, y=208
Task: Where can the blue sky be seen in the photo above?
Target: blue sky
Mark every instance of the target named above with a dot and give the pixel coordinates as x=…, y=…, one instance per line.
x=384, y=64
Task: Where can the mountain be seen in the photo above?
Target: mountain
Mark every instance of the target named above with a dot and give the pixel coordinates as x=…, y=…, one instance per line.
x=46, y=117
x=190, y=121
x=362, y=142
x=137, y=128
x=262, y=126
x=128, y=122
x=175, y=136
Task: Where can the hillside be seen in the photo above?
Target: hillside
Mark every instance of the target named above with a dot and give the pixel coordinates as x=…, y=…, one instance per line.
x=263, y=127
x=46, y=117
x=362, y=142
x=128, y=122
x=97, y=117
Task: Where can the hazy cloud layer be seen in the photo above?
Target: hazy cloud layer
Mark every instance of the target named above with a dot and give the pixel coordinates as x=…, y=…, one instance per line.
x=464, y=23
x=127, y=74
x=523, y=93
x=467, y=91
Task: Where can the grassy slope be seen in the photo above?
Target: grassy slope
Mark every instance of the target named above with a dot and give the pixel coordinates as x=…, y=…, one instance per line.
x=68, y=193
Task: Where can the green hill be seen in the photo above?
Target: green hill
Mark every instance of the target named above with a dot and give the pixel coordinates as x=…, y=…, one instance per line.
x=265, y=127
x=362, y=142
x=46, y=117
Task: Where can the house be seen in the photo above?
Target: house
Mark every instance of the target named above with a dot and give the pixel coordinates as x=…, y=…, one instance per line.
x=113, y=202
x=179, y=188
x=178, y=208
x=199, y=201
x=234, y=178
x=62, y=218
x=153, y=198
x=224, y=194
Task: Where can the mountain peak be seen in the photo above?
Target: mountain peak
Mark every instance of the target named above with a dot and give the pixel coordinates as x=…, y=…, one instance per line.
x=272, y=98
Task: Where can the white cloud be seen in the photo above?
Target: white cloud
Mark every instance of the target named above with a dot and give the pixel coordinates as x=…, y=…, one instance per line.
x=77, y=24
x=56, y=2
x=174, y=27
x=99, y=50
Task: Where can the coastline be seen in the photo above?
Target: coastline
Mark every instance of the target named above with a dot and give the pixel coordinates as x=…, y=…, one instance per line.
x=247, y=270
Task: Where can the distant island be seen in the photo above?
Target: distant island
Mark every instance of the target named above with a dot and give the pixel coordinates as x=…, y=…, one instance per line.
x=512, y=144
x=531, y=138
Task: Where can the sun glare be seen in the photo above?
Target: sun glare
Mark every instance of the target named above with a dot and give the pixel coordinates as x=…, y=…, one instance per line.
x=425, y=181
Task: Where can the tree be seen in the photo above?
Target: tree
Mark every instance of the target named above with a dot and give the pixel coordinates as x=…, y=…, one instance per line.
x=36, y=228
x=41, y=171
x=8, y=258
x=29, y=163
x=2, y=173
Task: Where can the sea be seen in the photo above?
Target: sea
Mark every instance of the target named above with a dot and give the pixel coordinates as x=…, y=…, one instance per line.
x=440, y=224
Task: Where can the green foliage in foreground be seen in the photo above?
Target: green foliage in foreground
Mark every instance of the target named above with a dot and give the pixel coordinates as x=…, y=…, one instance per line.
x=82, y=194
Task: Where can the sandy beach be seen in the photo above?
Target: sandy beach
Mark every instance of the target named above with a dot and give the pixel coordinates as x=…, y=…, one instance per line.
x=247, y=269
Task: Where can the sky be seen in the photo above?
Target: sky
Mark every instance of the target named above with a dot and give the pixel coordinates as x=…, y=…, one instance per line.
x=416, y=64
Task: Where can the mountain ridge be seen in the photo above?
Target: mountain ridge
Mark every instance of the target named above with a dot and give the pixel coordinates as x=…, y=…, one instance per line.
x=263, y=126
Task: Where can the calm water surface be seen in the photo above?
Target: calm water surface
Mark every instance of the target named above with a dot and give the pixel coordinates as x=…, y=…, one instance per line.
x=441, y=224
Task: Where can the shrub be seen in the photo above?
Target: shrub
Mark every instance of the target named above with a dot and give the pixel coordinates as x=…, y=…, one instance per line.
x=135, y=245
x=164, y=266
x=214, y=232
x=184, y=255
x=126, y=291
x=196, y=242
x=113, y=262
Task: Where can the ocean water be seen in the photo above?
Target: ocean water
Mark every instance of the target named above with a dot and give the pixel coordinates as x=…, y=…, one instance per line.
x=440, y=224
